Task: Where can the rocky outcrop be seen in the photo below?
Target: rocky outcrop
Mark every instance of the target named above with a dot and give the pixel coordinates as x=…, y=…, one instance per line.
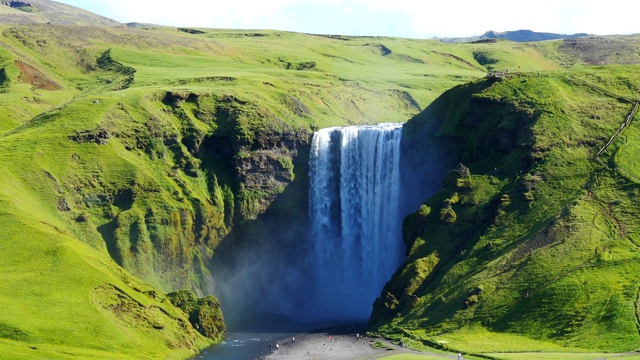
x=99, y=136
x=16, y=4
x=125, y=75
x=204, y=313
x=265, y=168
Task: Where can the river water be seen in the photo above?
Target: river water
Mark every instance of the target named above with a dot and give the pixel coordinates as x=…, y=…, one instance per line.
x=244, y=346
x=254, y=344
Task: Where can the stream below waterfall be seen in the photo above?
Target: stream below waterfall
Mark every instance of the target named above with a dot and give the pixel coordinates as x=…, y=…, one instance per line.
x=257, y=343
x=243, y=346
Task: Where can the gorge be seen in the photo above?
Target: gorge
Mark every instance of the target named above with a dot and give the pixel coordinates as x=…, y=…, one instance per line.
x=332, y=262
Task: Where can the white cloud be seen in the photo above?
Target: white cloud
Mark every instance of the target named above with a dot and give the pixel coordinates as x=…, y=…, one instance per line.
x=427, y=17
x=195, y=12
x=465, y=18
x=347, y=11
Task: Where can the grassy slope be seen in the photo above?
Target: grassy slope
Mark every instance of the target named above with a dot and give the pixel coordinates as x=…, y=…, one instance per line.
x=537, y=246
x=49, y=281
x=73, y=204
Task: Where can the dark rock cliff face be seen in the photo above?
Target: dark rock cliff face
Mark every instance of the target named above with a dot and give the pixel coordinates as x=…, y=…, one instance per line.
x=262, y=174
x=265, y=168
x=252, y=267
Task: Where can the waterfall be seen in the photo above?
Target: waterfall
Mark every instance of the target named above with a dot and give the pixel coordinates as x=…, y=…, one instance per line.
x=355, y=236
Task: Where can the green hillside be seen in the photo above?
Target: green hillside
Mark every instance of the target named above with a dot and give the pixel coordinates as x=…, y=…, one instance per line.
x=122, y=152
x=49, y=12
x=533, y=241
x=134, y=160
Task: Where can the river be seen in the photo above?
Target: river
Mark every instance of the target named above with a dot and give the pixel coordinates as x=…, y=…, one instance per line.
x=244, y=346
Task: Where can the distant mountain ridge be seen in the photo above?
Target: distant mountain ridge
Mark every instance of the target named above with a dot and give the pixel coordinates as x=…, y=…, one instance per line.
x=137, y=25
x=52, y=12
x=517, y=35
x=528, y=35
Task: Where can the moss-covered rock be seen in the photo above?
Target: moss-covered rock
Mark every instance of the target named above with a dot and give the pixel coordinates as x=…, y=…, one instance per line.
x=204, y=313
x=448, y=216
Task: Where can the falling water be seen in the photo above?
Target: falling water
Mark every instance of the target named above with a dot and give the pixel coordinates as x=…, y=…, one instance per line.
x=355, y=233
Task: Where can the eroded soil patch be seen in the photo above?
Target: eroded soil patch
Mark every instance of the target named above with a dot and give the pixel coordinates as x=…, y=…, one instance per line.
x=35, y=77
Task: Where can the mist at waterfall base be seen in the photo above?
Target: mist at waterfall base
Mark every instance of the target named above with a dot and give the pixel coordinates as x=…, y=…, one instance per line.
x=334, y=266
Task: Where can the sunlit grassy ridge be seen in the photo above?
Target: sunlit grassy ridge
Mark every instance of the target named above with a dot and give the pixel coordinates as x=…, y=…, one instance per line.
x=533, y=236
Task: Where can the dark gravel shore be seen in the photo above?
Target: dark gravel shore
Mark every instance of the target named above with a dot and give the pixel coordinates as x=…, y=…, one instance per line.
x=336, y=343
x=325, y=345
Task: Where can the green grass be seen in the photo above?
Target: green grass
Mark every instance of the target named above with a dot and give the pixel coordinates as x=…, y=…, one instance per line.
x=480, y=340
x=415, y=357
x=540, y=248
x=53, y=275
x=430, y=353
x=553, y=356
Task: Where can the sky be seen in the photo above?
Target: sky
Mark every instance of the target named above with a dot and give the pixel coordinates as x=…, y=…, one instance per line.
x=420, y=19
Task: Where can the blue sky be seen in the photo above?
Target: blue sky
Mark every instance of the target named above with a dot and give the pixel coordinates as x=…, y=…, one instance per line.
x=401, y=18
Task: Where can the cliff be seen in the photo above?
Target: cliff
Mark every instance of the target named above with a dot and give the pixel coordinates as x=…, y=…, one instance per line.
x=529, y=240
